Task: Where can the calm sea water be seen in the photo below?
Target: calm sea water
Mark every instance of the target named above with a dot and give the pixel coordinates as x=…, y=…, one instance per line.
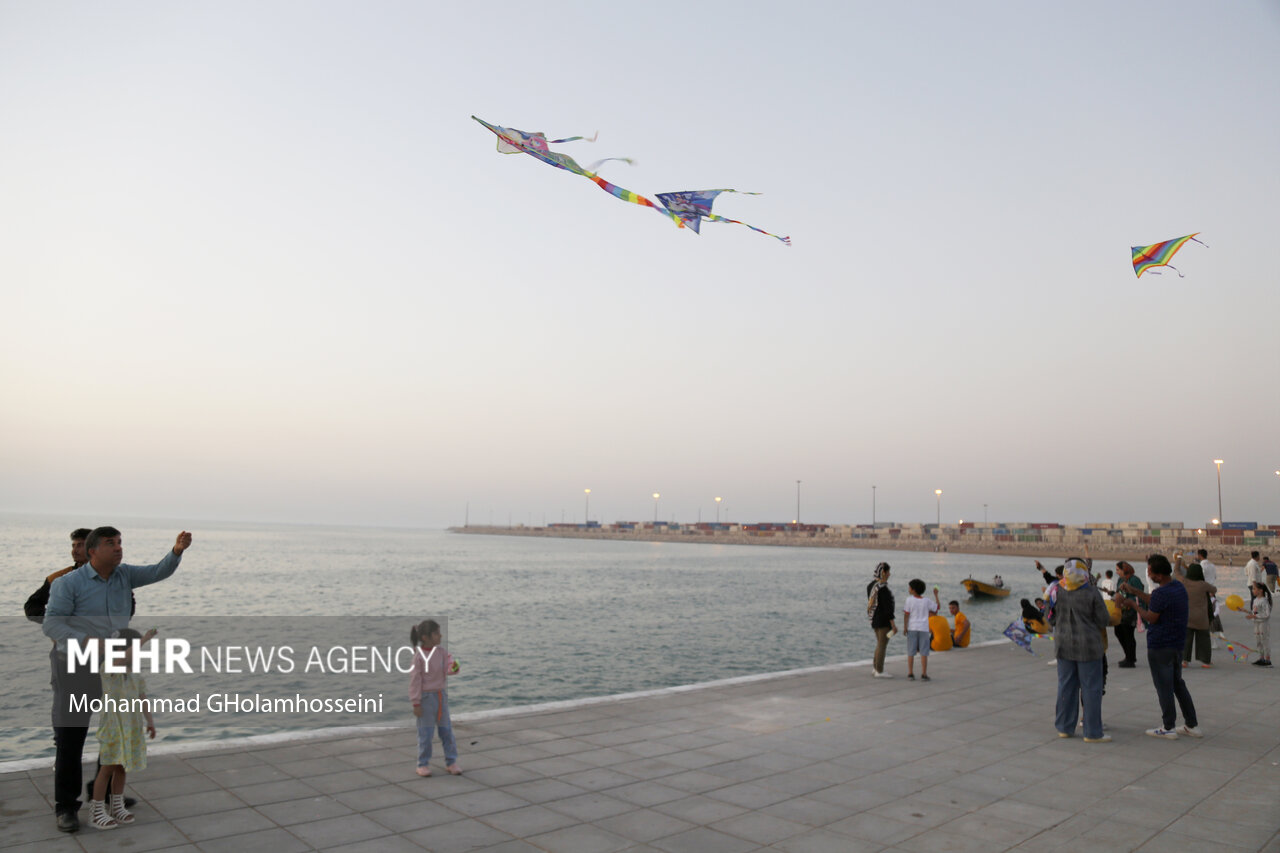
x=529, y=619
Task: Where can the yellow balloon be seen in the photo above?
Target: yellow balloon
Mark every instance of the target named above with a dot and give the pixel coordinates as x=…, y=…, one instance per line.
x=1234, y=602
x=1113, y=611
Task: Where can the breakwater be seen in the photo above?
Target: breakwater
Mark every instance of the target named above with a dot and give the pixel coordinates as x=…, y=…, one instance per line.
x=1124, y=540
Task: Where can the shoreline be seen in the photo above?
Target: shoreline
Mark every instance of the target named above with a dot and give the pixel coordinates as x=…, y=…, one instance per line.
x=286, y=737
x=1133, y=552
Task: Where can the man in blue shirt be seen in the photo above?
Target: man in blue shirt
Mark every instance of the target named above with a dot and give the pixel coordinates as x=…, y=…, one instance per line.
x=90, y=603
x=1165, y=613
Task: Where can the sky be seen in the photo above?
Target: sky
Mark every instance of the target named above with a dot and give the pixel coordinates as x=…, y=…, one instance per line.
x=259, y=264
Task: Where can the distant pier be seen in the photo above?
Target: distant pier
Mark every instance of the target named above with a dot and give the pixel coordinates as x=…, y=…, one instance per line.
x=1228, y=543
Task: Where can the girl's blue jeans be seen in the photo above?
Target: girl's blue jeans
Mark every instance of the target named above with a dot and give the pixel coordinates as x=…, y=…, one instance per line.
x=434, y=704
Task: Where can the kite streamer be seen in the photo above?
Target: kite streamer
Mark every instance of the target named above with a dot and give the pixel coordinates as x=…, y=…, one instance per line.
x=512, y=141
x=1159, y=254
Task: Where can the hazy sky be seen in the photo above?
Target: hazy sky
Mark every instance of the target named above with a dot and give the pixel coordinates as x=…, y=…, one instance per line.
x=259, y=264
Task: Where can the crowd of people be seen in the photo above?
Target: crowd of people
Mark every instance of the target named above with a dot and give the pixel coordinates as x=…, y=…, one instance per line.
x=1178, y=608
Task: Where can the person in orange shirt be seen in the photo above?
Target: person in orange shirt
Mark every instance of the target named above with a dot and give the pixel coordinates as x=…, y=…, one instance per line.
x=960, y=635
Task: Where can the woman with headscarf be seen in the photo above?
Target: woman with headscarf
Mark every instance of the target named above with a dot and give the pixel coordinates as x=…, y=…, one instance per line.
x=1199, y=612
x=881, y=612
x=1079, y=619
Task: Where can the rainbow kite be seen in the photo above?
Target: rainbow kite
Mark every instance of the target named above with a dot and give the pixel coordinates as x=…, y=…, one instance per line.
x=1238, y=651
x=695, y=205
x=512, y=141
x=1158, y=255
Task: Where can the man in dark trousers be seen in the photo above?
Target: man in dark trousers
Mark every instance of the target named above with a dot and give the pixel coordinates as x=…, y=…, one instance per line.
x=39, y=600
x=90, y=604
x=1165, y=612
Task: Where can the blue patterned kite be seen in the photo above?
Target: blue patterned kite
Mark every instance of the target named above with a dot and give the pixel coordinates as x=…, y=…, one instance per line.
x=1017, y=631
x=693, y=206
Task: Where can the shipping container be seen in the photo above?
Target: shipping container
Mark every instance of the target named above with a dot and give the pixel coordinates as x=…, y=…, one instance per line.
x=1239, y=525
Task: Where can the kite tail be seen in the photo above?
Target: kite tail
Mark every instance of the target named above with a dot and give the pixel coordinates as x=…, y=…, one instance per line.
x=597, y=164
x=591, y=138
x=635, y=198
x=714, y=218
x=1201, y=242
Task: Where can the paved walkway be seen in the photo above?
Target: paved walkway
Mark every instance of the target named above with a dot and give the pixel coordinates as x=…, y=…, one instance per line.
x=829, y=760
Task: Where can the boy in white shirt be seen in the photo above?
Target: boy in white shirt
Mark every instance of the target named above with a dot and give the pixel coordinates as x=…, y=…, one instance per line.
x=915, y=619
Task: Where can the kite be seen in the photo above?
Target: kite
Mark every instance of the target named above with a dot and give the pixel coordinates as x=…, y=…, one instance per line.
x=1158, y=255
x=512, y=141
x=693, y=206
x=1237, y=650
x=1017, y=631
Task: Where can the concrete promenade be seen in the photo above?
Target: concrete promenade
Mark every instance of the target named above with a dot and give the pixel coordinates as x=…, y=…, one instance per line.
x=822, y=760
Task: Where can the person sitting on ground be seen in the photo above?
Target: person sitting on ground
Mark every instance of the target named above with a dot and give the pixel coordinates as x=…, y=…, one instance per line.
x=1033, y=616
x=1030, y=612
x=960, y=634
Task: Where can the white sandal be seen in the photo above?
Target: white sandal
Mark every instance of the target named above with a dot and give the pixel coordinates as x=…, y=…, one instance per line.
x=118, y=811
x=98, y=816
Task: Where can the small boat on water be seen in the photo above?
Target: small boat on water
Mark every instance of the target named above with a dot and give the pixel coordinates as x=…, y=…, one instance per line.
x=978, y=589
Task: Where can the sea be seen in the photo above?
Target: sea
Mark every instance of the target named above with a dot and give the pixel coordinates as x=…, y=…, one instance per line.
x=529, y=620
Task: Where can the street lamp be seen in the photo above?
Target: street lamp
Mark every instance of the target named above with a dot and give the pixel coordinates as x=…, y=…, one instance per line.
x=655, y=508
x=797, y=501
x=938, y=494
x=873, y=506
x=586, y=510
x=718, y=499
x=984, y=513
x=1218, y=462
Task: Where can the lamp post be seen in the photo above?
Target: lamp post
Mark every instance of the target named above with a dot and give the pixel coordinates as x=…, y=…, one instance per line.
x=718, y=499
x=797, y=502
x=655, y=508
x=586, y=509
x=938, y=494
x=984, y=513
x=1218, y=463
x=873, y=506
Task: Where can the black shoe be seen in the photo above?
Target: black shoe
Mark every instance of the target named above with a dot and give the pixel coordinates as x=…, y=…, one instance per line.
x=68, y=822
x=1126, y=664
